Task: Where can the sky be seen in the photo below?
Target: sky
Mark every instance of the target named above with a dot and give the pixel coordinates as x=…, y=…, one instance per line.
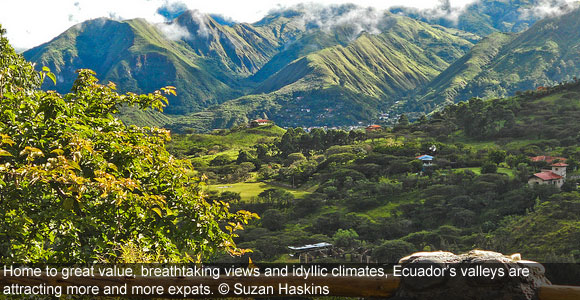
x=32, y=22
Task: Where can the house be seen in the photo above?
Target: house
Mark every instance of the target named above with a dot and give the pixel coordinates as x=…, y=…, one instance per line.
x=373, y=128
x=556, y=176
x=259, y=122
x=426, y=159
x=307, y=253
x=548, y=159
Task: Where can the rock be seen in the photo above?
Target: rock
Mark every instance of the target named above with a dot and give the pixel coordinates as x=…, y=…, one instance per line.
x=477, y=275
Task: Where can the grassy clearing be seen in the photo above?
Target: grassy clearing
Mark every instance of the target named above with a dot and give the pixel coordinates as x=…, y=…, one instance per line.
x=477, y=170
x=210, y=144
x=249, y=190
x=385, y=211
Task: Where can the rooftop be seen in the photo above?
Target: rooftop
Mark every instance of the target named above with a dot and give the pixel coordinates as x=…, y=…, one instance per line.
x=548, y=159
x=425, y=157
x=310, y=247
x=548, y=175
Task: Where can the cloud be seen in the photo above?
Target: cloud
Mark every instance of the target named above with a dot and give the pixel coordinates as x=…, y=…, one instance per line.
x=174, y=31
x=330, y=17
x=548, y=8
x=444, y=9
x=200, y=19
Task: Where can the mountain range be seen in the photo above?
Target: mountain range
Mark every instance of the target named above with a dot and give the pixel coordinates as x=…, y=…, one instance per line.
x=319, y=65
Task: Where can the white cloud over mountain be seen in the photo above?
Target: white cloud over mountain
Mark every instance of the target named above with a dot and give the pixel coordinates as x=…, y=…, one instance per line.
x=32, y=22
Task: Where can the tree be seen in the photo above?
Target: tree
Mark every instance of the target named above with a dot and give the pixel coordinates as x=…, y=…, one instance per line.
x=244, y=156
x=489, y=167
x=346, y=238
x=403, y=121
x=273, y=219
x=220, y=160
x=290, y=141
x=393, y=250
x=276, y=197
x=78, y=185
x=496, y=156
x=230, y=197
x=294, y=157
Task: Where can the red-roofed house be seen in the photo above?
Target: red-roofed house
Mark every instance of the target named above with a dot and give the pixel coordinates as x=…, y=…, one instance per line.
x=259, y=122
x=373, y=128
x=548, y=159
x=556, y=176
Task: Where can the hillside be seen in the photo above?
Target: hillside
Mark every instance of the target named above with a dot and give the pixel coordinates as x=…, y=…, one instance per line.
x=365, y=192
x=242, y=48
x=445, y=88
x=343, y=85
x=303, y=52
x=137, y=57
x=550, y=117
x=545, y=54
x=486, y=17
x=502, y=64
x=406, y=55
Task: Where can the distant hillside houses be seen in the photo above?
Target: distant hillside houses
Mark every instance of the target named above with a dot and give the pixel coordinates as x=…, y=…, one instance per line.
x=426, y=159
x=555, y=176
x=373, y=128
x=260, y=122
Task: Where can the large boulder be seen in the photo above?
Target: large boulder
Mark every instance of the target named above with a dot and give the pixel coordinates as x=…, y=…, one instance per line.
x=477, y=275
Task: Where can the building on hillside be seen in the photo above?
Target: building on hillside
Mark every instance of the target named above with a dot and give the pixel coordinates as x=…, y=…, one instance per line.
x=307, y=253
x=373, y=128
x=260, y=122
x=426, y=159
x=556, y=176
x=548, y=159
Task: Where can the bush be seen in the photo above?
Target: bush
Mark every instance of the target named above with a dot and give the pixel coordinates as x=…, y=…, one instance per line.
x=489, y=168
x=220, y=160
x=346, y=238
x=393, y=250
x=273, y=219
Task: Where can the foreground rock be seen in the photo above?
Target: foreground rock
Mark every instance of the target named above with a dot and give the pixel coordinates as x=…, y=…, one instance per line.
x=477, y=275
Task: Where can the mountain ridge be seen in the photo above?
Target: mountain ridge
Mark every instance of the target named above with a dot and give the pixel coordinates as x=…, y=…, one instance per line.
x=310, y=65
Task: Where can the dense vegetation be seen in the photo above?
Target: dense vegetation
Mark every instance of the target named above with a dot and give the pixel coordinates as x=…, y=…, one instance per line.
x=367, y=193
x=78, y=185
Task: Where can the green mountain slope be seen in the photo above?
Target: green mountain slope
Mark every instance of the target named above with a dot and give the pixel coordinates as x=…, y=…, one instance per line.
x=546, y=54
x=502, y=64
x=552, y=113
x=310, y=64
x=137, y=57
x=241, y=48
x=343, y=85
x=308, y=43
x=444, y=88
x=408, y=54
